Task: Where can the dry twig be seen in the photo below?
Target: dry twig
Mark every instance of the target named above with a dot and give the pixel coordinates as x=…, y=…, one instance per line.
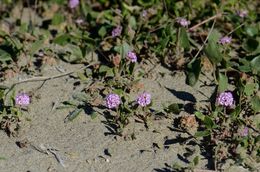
x=205, y=21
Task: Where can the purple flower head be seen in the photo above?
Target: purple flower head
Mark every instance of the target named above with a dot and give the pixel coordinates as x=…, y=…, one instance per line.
x=144, y=13
x=117, y=31
x=183, y=22
x=144, y=99
x=225, y=40
x=118, y=11
x=225, y=99
x=22, y=99
x=73, y=3
x=244, y=132
x=242, y=13
x=112, y=101
x=79, y=21
x=131, y=56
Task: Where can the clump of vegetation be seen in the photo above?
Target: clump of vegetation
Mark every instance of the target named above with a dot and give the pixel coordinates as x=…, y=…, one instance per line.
x=217, y=38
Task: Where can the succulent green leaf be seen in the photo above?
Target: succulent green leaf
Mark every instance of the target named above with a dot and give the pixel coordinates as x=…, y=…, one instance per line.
x=213, y=53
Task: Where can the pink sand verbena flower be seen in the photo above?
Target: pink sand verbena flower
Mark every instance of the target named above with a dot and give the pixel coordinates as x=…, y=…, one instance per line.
x=183, y=22
x=22, y=99
x=225, y=99
x=144, y=99
x=244, y=132
x=144, y=13
x=112, y=100
x=225, y=40
x=131, y=56
x=73, y=3
x=118, y=11
x=242, y=13
x=79, y=21
x=117, y=31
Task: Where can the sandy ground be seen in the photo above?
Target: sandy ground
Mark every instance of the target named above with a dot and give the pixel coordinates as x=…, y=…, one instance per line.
x=82, y=144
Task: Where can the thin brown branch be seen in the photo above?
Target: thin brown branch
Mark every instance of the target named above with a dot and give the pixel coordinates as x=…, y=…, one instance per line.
x=204, y=43
x=205, y=21
x=35, y=79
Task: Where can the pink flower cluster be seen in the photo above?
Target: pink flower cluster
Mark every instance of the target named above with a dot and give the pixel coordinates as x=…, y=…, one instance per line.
x=117, y=31
x=244, y=132
x=22, y=99
x=144, y=99
x=114, y=100
x=131, y=56
x=73, y=3
x=242, y=13
x=225, y=99
x=144, y=13
x=183, y=22
x=225, y=40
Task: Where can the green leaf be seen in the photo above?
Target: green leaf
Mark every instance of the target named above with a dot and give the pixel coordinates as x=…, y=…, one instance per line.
x=184, y=39
x=82, y=76
x=72, y=115
x=193, y=72
x=146, y=3
x=93, y=115
x=107, y=71
x=1, y=94
x=251, y=31
x=208, y=122
x=213, y=52
x=222, y=82
x=2, y=33
x=85, y=9
x=57, y=19
x=236, y=113
x=255, y=103
x=15, y=42
x=250, y=88
x=132, y=22
x=119, y=91
x=5, y=56
x=177, y=167
x=103, y=69
x=102, y=31
x=255, y=64
x=36, y=46
x=245, y=66
x=174, y=108
x=80, y=96
x=62, y=39
x=131, y=68
x=214, y=36
x=196, y=160
x=200, y=115
x=164, y=43
x=250, y=44
x=110, y=73
x=2, y=158
x=73, y=54
x=123, y=49
x=202, y=133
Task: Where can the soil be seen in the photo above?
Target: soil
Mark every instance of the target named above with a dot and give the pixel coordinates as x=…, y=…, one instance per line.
x=82, y=145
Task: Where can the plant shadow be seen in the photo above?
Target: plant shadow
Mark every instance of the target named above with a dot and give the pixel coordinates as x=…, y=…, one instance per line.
x=167, y=168
x=110, y=124
x=182, y=95
x=206, y=151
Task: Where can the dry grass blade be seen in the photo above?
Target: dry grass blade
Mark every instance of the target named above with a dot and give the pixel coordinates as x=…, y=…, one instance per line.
x=57, y=156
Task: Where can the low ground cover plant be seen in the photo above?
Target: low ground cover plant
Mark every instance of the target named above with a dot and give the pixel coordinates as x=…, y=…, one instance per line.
x=219, y=39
